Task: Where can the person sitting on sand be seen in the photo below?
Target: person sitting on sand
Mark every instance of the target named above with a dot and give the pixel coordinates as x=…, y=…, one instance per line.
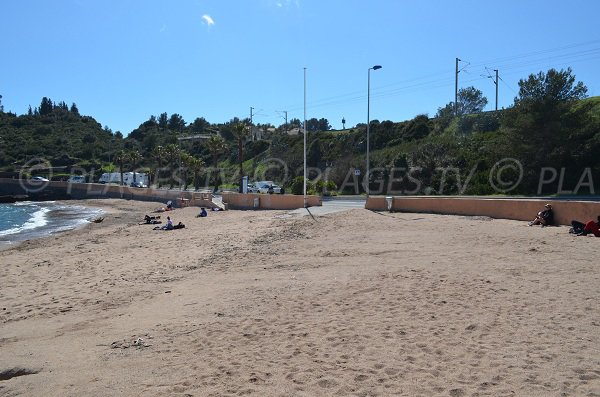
x=591, y=227
x=544, y=218
x=202, y=213
x=169, y=206
x=169, y=225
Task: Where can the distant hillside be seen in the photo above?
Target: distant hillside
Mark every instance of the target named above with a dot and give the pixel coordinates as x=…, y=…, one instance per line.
x=60, y=136
x=446, y=154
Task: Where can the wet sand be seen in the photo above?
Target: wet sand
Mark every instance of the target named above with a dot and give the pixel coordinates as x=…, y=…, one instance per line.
x=356, y=303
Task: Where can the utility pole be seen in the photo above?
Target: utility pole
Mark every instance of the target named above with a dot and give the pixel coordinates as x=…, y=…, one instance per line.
x=286, y=120
x=456, y=89
x=496, y=82
x=251, y=131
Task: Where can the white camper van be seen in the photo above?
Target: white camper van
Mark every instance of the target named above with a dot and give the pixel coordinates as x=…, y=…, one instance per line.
x=111, y=177
x=128, y=178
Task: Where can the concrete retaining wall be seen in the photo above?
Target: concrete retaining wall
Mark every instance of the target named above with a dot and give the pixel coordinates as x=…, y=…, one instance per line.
x=65, y=190
x=250, y=201
x=506, y=208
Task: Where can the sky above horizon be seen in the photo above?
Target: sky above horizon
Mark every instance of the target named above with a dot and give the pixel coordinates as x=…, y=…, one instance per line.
x=124, y=61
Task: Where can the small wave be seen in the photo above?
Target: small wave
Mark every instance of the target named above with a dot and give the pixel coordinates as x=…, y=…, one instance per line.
x=38, y=219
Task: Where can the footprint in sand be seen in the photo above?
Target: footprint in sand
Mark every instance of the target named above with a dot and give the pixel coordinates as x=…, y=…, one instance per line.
x=327, y=383
x=457, y=392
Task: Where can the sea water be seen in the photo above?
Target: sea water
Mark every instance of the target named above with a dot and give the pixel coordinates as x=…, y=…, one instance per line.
x=25, y=220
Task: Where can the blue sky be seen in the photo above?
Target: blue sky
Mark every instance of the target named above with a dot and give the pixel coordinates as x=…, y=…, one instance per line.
x=123, y=61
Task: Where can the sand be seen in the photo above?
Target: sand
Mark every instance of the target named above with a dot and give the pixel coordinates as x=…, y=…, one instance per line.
x=356, y=303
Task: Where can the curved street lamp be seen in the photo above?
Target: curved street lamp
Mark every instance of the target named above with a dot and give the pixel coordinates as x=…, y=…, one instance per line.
x=369, y=122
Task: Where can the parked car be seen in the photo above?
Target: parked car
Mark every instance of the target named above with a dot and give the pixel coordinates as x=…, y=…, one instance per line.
x=76, y=179
x=268, y=187
x=39, y=179
x=138, y=184
x=252, y=188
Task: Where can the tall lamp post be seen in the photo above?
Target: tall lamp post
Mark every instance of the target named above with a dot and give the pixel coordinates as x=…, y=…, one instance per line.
x=304, y=127
x=369, y=122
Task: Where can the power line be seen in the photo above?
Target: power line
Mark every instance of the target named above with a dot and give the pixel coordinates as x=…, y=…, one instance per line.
x=510, y=66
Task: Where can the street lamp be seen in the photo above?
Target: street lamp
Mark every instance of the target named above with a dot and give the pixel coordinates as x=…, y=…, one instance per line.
x=304, y=127
x=368, y=121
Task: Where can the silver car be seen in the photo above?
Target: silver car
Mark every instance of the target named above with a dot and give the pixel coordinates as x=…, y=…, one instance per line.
x=252, y=188
x=268, y=187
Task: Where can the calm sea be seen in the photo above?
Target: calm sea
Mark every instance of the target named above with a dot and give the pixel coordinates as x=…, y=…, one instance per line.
x=26, y=220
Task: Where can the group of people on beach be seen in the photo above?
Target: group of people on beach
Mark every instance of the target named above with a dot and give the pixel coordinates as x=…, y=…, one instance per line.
x=169, y=225
x=546, y=218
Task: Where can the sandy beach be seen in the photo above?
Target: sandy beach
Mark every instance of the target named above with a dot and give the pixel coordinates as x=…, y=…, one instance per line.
x=355, y=303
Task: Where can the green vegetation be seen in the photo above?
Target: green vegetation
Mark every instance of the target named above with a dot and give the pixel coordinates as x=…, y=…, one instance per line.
x=547, y=142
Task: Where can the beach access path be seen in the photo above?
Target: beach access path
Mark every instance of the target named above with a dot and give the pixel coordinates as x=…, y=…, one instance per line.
x=265, y=303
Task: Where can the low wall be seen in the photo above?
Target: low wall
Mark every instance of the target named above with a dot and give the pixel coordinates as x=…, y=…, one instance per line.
x=65, y=190
x=521, y=209
x=248, y=201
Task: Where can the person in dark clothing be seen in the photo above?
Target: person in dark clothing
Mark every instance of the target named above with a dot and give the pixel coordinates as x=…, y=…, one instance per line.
x=150, y=220
x=576, y=227
x=202, y=213
x=591, y=227
x=544, y=217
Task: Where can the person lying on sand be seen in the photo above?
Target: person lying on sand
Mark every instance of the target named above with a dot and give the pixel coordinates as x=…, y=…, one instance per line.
x=591, y=227
x=169, y=207
x=150, y=220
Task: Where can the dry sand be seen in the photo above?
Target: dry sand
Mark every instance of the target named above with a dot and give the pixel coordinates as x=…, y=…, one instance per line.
x=356, y=303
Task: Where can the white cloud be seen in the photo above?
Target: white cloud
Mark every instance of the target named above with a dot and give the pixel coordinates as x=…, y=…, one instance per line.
x=208, y=20
x=287, y=3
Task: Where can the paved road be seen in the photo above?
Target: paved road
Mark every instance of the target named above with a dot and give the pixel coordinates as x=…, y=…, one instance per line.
x=330, y=206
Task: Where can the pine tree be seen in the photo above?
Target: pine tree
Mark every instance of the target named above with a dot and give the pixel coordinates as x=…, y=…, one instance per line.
x=46, y=106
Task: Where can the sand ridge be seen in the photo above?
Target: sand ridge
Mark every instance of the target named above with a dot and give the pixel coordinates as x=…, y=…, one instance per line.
x=357, y=303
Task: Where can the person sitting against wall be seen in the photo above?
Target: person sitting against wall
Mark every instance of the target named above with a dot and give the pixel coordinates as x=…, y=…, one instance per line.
x=591, y=227
x=544, y=217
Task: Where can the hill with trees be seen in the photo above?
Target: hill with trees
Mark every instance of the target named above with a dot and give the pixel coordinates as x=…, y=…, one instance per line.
x=547, y=142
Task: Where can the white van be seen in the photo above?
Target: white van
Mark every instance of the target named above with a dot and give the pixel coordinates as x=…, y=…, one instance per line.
x=128, y=178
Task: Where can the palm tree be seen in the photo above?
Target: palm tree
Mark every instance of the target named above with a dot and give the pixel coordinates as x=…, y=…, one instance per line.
x=186, y=162
x=196, y=165
x=240, y=132
x=216, y=146
x=121, y=158
x=134, y=158
x=173, y=157
x=159, y=153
